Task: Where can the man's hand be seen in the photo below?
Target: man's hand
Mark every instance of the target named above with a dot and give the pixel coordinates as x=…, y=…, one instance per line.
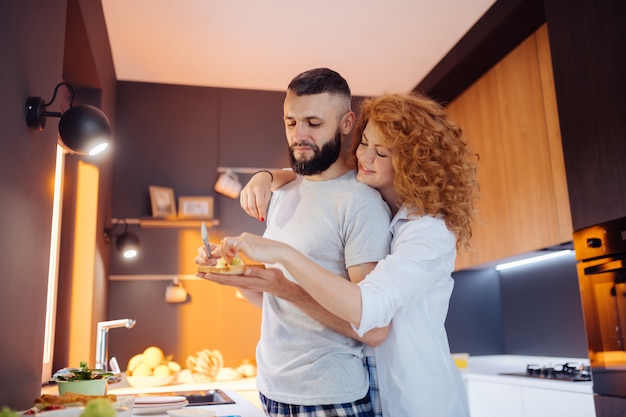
x=258, y=279
x=255, y=282
x=203, y=256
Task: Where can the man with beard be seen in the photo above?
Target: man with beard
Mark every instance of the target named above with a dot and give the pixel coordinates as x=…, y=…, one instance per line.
x=309, y=362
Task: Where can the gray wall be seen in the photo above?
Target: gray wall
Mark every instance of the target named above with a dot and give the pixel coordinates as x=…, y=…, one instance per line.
x=40, y=37
x=32, y=64
x=176, y=137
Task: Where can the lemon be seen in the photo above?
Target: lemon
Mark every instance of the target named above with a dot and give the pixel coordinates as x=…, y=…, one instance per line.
x=153, y=357
x=142, y=370
x=134, y=361
x=162, y=370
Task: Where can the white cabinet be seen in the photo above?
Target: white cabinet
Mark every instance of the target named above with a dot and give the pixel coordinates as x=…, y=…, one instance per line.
x=551, y=403
x=487, y=399
x=492, y=399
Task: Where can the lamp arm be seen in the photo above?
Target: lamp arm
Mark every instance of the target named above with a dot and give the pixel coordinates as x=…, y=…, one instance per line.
x=54, y=96
x=109, y=232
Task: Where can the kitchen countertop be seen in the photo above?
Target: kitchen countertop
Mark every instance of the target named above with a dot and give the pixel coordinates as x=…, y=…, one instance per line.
x=489, y=367
x=242, y=390
x=241, y=408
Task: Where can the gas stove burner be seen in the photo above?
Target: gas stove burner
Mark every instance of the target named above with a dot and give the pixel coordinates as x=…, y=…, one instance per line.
x=563, y=372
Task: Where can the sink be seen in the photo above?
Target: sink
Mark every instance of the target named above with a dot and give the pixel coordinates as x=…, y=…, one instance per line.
x=204, y=397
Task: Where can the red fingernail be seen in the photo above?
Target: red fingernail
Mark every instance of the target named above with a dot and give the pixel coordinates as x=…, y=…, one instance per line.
x=262, y=219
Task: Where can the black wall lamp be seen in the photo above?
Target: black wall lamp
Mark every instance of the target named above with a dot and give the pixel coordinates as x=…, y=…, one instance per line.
x=127, y=243
x=83, y=129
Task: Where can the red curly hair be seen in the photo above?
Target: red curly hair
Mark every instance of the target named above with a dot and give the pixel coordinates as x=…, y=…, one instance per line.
x=434, y=170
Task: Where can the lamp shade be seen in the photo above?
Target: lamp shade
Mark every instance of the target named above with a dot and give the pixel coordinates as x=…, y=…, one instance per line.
x=84, y=130
x=128, y=244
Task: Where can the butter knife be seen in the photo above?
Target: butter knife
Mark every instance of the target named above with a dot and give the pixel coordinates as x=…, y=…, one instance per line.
x=205, y=239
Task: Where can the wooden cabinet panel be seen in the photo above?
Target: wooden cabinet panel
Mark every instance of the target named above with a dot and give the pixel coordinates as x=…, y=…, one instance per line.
x=526, y=153
x=555, y=143
x=477, y=113
x=509, y=118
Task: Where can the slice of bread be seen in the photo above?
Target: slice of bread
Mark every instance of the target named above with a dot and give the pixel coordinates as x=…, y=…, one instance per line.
x=71, y=398
x=226, y=269
x=223, y=270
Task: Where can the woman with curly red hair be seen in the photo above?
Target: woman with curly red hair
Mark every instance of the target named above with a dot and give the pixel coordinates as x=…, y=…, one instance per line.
x=407, y=148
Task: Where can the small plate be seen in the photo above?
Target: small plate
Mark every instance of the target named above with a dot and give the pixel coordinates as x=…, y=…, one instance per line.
x=63, y=412
x=158, y=405
x=124, y=406
x=122, y=411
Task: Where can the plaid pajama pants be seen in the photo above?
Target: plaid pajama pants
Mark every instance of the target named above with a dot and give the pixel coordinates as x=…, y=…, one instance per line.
x=368, y=406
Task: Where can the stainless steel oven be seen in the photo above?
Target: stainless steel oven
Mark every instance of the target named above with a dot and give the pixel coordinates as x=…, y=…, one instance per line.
x=601, y=255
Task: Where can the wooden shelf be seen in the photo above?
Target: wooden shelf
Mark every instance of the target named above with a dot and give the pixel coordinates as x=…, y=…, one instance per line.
x=167, y=223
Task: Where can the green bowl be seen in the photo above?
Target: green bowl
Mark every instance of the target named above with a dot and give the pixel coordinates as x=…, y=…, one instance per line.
x=87, y=387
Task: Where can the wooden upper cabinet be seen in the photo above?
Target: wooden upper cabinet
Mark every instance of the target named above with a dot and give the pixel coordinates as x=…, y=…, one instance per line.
x=509, y=118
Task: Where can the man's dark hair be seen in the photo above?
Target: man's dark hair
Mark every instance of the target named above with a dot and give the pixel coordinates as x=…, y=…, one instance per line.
x=318, y=81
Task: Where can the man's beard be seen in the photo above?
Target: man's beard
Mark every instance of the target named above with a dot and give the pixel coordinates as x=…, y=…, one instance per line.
x=321, y=160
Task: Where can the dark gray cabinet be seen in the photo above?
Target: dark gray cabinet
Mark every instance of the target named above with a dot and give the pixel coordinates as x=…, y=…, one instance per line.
x=588, y=42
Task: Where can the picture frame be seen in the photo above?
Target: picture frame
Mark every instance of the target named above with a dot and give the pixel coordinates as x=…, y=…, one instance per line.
x=195, y=207
x=162, y=202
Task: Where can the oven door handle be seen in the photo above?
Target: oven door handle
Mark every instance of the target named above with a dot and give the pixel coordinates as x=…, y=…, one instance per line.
x=605, y=267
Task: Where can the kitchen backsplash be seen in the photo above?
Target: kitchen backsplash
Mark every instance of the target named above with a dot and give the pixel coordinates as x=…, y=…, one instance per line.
x=528, y=310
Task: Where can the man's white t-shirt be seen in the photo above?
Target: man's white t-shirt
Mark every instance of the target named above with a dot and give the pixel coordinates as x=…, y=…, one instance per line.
x=336, y=223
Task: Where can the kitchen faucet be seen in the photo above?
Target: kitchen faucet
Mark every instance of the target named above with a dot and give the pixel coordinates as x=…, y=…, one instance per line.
x=101, y=340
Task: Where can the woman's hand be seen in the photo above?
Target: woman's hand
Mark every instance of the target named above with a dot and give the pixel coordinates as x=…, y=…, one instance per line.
x=254, y=247
x=255, y=196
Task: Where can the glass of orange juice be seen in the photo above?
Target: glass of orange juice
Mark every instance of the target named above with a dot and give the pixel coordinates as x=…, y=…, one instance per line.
x=460, y=359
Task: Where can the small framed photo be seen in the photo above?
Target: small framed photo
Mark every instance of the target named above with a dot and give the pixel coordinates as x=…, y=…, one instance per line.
x=163, y=202
x=195, y=207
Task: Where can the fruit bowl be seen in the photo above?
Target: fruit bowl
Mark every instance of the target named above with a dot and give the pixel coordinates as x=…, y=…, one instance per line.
x=150, y=381
x=151, y=368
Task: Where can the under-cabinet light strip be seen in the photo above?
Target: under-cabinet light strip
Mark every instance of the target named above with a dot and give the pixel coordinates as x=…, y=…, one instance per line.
x=534, y=259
